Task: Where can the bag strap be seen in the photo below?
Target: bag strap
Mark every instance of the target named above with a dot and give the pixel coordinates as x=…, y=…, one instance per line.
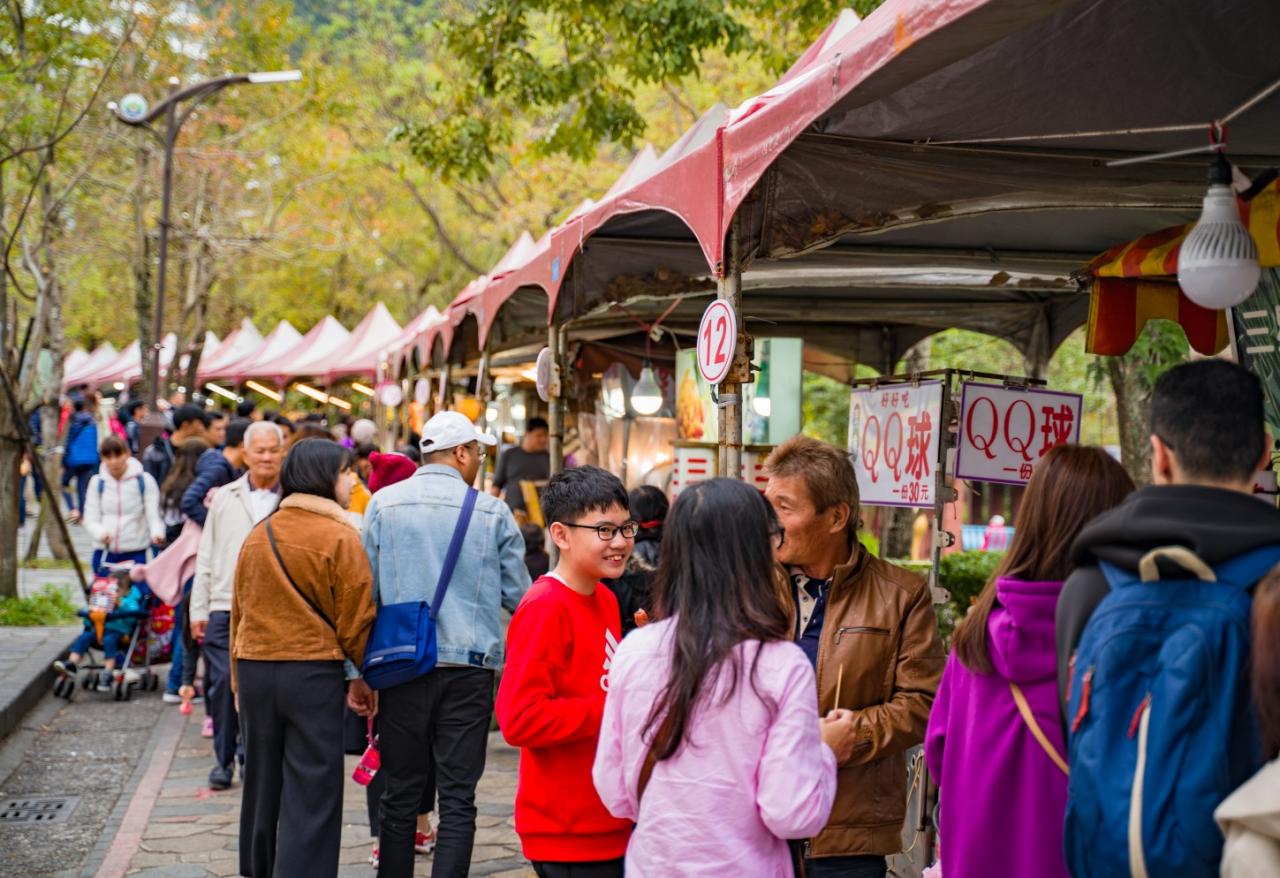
x=455, y=549
x=1036, y=732
x=1149, y=571
x=271, y=538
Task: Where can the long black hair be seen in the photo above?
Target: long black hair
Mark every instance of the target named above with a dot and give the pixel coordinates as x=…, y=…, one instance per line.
x=717, y=580
x=312, y=466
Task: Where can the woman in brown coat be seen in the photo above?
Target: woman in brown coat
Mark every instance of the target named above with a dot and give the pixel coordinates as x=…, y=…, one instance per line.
x=302, y=604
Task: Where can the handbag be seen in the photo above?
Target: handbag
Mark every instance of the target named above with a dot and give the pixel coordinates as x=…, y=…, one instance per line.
x=402, y=645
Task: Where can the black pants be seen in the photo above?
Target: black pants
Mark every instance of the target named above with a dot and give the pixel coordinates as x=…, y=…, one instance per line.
x=376, y=787
x=443, y=715
x=860, y=866
x=220, y=699
x=291, y=809
x=592, y=869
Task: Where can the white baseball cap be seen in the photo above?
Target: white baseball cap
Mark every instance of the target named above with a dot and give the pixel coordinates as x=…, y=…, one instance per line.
x=449, y=430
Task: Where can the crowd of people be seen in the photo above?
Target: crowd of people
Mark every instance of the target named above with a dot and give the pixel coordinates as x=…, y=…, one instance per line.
x=730, y=683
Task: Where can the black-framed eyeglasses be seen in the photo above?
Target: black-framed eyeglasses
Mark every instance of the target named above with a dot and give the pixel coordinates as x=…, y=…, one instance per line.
x=607, y=532
x=478, y=450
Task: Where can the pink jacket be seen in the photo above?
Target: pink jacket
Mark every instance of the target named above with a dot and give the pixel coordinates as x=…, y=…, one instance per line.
x=753, y=777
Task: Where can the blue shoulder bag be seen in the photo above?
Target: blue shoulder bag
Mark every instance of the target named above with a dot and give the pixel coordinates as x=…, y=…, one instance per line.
x=402, y=645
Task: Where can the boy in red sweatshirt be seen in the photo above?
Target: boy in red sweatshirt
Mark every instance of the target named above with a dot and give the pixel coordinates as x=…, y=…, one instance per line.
x=550, y=702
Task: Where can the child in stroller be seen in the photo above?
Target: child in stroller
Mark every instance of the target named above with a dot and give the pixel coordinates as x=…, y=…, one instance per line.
x=115, y=619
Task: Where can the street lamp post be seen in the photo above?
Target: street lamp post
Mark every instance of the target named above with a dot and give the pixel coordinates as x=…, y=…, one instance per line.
x=133, y=110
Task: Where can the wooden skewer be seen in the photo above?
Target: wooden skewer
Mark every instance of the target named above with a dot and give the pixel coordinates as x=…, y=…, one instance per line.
x=839, y=680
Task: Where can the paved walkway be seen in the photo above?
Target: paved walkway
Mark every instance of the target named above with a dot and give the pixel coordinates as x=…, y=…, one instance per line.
x=191, y=830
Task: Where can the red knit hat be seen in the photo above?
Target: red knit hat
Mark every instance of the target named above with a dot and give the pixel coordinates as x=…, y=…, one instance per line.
x=389, y=469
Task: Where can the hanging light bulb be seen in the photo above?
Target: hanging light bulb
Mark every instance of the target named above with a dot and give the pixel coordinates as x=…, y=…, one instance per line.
x=1218, y=264
x=761, y=404
x=646, y=396
x=518, y=411
x=491, y=415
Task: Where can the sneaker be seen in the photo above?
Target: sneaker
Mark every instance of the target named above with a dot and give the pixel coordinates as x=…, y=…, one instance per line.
x=206, y=731
x=373, y=857
x=424, y=843
x=171, y=697
x=220, y=777
x=65, y=667
x=104, y=682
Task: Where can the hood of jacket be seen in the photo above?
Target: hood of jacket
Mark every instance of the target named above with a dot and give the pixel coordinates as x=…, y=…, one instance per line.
x=1215, y=523
x=1255, y=806
x=132, y=470
x=1020, y=633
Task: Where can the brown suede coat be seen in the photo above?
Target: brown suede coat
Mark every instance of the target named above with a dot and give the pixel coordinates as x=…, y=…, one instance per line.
x=269, y=619
x=880, y=628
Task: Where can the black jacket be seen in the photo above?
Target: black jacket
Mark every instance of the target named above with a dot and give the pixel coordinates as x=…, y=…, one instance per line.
x=157, y=459
x=634, y=589
x=1216, y=524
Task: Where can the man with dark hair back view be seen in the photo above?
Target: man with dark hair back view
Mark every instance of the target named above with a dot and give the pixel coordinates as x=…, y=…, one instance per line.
x=1208, y=443
x=189, y=422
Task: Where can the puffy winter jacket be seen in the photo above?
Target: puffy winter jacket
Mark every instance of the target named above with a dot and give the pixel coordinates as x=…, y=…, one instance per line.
x=82, y=441
x=212, y=471
x=127, y=510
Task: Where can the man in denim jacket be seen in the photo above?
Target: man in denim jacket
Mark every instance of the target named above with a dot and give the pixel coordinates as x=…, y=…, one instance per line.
x=443, y=716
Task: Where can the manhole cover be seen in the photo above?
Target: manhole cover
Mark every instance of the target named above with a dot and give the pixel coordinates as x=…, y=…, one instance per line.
x=37, y=809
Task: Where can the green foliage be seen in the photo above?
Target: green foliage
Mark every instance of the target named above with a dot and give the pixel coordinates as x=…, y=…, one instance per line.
x=48, y=564
x=1160, y=346
x=49, y=607
x=576, y=69
x=964, y=575
x=825, y=403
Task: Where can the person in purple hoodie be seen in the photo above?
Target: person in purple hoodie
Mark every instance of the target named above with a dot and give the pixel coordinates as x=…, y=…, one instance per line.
x=994, y=742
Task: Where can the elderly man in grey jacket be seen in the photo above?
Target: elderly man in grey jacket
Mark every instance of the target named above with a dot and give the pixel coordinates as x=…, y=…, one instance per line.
x=445, y=713
x=234, y=511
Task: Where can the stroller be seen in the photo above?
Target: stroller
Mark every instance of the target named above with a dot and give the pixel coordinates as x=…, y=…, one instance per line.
x=143, y=644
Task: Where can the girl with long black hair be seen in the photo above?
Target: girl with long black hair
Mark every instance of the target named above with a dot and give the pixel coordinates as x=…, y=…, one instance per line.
x=711, y=739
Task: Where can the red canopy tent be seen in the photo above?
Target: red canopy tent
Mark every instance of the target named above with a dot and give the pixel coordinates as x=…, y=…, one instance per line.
x=309, y=356
x=280, y=340
x=241, y=342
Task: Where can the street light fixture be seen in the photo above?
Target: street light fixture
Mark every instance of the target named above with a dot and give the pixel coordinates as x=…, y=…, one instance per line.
x=133, y=110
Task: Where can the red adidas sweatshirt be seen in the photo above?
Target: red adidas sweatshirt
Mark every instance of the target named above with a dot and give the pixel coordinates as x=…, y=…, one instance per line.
x=550, y=703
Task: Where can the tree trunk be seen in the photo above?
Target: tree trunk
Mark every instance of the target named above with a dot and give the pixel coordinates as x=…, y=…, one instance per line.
x=10, y=458
x=142, y=299
x=1133, y=407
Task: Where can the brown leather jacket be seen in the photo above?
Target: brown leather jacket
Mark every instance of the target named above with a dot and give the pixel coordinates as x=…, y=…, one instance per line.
x=880, y=628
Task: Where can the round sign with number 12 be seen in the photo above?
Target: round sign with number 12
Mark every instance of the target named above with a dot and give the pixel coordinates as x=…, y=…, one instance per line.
x=717, y=340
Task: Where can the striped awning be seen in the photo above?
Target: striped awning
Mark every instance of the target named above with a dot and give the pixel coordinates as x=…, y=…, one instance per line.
x=1138, y=281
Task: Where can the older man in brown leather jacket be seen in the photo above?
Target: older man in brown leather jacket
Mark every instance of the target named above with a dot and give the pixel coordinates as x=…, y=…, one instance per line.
x=869, y=629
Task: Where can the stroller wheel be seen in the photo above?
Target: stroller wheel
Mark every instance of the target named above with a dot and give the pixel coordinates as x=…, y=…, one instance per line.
x=60, y=687
x=150, y=682
x=86, y=679
x=119, y=690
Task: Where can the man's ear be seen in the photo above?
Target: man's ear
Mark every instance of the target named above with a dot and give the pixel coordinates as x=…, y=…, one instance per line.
x=1267, y=445
x=1162, y=462
x=839, y=518
x=559, y=535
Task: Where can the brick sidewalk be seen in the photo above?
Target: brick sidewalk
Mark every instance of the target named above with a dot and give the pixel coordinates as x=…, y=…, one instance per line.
x=193, y=831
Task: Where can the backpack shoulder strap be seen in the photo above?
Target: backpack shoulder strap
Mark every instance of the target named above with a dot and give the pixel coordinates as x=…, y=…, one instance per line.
x=102, y=486
x=455, y=549
x=142, y=486
x=1245, y=570
x=1036, y=732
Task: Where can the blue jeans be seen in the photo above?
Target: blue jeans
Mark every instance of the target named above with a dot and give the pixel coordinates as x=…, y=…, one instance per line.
x=82, y=474
x=110, y=643
x=860, y=866
x=174, y=682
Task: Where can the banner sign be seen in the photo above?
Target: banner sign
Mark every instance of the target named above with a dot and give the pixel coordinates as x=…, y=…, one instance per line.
x=1005, y=431
x=894, y=433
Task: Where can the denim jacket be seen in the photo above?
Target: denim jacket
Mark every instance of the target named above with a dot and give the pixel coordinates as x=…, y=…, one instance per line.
x=407, y=529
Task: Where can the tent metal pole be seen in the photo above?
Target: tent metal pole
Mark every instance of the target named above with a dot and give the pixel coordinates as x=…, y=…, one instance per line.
x=730, y=290
x=483, y=394
x=555, y=405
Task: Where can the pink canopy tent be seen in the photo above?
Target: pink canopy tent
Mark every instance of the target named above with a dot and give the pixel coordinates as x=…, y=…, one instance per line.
x=101, y=356
x=364, y=349
x=241, y=342
x=112, y=369
x=916, y=171
x=280, y=340
x=74, y=360
x=310, y=356
x=403, y=348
